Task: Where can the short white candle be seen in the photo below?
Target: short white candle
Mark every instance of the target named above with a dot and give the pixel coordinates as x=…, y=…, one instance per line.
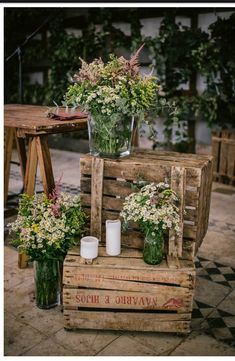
x=113, y=237
x=89, y=247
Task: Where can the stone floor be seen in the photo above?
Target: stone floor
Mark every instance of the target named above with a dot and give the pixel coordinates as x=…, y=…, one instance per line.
x=30, y=331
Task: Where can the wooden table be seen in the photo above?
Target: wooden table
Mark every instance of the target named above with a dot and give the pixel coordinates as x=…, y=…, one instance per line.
x=30, y=121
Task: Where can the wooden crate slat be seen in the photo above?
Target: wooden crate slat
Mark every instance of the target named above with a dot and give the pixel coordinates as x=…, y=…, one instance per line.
x=223, y=163
x=131, y=239
x=121, y=285
x=223, y=150
x=175, y=299
x=73, y=275
x=215, y=152
x=130, y=170
x=126, y=321
x=189, y=249
x=175, y=158
x=111, y=187
x=114, y=268
x=178, y=182
x=231, y=160
x=126, y=252
x=111, y=203
x=204, y=198
x=96, y=196
x=107, y=202
x=208, y=179
x=97, y=278
x=123, y=188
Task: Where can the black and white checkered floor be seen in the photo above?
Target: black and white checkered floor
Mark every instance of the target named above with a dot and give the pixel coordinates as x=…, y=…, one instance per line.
x=213, y=320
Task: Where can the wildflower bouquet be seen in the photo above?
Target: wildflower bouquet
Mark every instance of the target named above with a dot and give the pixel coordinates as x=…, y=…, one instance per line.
x=113, y=94
x=115, y=87
x=155, y=209
x=46, y=227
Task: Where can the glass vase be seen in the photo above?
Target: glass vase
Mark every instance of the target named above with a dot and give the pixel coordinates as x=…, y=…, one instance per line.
x=153, y=247
x=110, y=136
x=47, y=279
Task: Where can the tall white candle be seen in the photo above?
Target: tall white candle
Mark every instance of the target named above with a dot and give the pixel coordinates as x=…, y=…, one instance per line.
x=89, y=247
x=113, y=237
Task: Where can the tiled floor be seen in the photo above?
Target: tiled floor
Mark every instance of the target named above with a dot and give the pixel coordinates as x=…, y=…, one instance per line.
x=30, y=331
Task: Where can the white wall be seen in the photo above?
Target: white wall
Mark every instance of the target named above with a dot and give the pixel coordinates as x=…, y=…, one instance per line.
x=205, y=20
x=150, y=26
x=124, y=27
x=36, y=77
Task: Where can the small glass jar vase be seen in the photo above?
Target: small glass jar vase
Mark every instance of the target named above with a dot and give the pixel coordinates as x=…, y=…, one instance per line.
x=154, y=247
x=110, y=136
x=47, y=279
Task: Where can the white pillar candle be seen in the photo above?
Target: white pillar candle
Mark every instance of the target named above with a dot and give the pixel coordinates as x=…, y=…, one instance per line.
x=113, y=237
x=89, y=247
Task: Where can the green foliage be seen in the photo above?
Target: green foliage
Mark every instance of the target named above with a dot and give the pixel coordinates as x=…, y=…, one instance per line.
x=178, y=53
x=114, y=87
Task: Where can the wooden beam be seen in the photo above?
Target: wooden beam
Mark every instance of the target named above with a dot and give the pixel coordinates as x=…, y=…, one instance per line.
x=31, y=167
x=96, y=196
x=178, y=184
x=44, y=160
x=9, y=133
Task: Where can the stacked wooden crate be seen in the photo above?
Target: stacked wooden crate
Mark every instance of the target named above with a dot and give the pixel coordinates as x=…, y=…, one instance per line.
x=123, y=292
x=223, y=151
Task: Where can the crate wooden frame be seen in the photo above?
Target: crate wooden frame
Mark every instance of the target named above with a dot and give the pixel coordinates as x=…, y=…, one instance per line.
x=223, y=151
x=106, y=182
x=124, y=293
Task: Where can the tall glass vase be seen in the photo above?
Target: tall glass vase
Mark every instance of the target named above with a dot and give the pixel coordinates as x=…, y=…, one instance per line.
x=153, y=247
x=110, y=136
x=47, y=279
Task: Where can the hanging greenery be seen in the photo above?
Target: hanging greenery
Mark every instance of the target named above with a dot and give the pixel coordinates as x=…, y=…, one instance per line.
x=178, y=53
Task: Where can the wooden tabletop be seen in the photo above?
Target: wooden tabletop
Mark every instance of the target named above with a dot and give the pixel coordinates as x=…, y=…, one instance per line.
x=32, y=119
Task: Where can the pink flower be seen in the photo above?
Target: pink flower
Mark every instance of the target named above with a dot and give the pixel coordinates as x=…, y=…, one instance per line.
x=153, y=201
x=56, y=191
x=56, y=209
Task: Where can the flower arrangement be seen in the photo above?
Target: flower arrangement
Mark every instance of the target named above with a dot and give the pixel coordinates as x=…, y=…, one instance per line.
x=115, y=87
x=46, y=227
x=114, y=94
x=153, y=207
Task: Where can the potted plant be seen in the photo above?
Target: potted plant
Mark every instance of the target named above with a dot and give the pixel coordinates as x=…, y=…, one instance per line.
x=46, y=227
x=154, y=209
x=114, y=95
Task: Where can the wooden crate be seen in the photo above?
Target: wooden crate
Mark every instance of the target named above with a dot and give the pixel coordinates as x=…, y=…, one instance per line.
x=223, y=151
x=105, y=184
x=124, y=293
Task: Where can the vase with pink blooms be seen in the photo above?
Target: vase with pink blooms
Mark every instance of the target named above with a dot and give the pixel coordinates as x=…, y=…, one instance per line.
x=116, y=97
